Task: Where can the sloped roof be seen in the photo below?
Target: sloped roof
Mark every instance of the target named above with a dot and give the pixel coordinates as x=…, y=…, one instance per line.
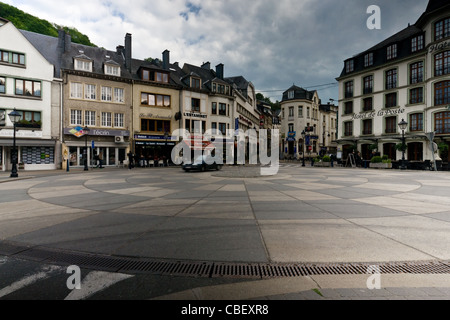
x=299, y=94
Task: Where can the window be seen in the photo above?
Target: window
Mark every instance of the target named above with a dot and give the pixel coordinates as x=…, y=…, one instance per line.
x=416, y=95
x=391, y=125
x=30, y=118
x=300, y=111
x=368, y=84
x=442, y=122
x=89, y=118
x=349, y=66
x=28, y=88
x=76, y=90
x=291, y=127
x=106, y=119
x=368, y=104
x=195, y=105
x=291, y=94
x=155, y=100
x=119, y=120
x=222, y=109
x=391, y=100
x=392, y=52
x=442, y=29
x=214, y=108
x=160, y=126
x=223, y=128
x=2, y=85
x=2, y=119
x=18, y=58
x=106, y=94
x=119, y=95
x=90, y=92
x=308, y=113
x=348, y=107
x=348, y=129
x=195, y=83
x=417, y=43
x=112, y=70
x=391, y=79
x=416, y=72
x=291, y=112
x=76, y=118
x=12, y=57
x=367, y=126
x=442, y=63
x=83, y=65
x=368, y=59
x=349, y=89
x=416, y=122
x=149, y=75
x=442, y=93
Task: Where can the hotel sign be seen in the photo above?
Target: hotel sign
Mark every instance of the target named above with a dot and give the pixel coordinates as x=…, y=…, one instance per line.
x=440, y=46
x=381, y=113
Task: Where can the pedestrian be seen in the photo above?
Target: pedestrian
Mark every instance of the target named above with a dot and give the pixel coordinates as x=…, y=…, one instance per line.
x=130, y=160
x=100, y=159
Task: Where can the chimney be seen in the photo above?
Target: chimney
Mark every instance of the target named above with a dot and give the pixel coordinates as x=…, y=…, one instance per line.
x=206, y=65
x=120, y=50
x=166, y=59
x=128, y=51
x=219, y=71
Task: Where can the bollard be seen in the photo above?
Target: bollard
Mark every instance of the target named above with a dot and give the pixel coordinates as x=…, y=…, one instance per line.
x=67, y=166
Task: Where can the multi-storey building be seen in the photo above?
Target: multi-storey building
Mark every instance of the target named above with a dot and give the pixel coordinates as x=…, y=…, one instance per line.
x=156, y=103
x=299, y=111
x=27, y=84
x=406, y=77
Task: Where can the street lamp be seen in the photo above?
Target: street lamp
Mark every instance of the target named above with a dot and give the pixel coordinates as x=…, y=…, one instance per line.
x=303, y=151
x=165, y=159
x=15, y=118
x=403, y=125
x=86, y=131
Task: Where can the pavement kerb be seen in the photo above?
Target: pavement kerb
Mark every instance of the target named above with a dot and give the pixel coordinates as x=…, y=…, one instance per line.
x=265, y=289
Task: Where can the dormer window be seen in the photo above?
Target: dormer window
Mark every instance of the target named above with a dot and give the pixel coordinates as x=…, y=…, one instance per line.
x=349, y=66
x=112, y=70
x=291, y=94
x=83, y=65
x=391, y=52
x=156, y=76
x=195, y=83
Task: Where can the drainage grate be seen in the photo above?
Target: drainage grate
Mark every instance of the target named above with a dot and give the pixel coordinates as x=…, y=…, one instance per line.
x=210, y=269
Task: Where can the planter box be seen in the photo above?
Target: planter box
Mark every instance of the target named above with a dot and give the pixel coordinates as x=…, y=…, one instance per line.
x=380, y=165
x=322, y=164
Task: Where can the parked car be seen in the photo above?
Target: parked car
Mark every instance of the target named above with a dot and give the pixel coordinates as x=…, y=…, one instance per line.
x=202, y=163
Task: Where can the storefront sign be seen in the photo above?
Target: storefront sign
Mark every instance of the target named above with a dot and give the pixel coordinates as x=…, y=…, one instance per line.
x=21, y=133
x=146, y=137
x=97, y=132
x=291, y=136
x=155, y=116
x=440, y=46
x=381, y=113
x=195, y=115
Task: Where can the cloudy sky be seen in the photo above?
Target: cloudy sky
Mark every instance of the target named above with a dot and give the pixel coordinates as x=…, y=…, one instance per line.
x=272, y=43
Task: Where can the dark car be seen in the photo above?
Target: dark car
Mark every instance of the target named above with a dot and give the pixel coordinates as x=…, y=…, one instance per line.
x=202, y=163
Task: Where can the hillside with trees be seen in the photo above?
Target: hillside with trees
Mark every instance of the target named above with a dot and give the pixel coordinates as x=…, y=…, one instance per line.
x=25, y=21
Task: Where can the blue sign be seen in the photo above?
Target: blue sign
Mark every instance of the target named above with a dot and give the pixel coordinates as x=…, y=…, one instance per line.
x=307, y=140
x=93, y=144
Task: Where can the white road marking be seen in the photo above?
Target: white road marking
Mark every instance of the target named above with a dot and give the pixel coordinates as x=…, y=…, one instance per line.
x=24, y=282
x=94, y=282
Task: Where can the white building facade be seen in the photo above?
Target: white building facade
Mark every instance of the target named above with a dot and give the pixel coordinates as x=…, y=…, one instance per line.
x=26, y=82
x=406, y=77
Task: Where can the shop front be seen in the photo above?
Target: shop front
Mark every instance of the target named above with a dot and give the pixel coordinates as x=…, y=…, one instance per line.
x=34, y=153
x=153, y=147
x=108, y=146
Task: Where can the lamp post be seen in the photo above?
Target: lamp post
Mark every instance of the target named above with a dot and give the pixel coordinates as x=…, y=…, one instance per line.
x=14, y=116
x=86, y=131
x=303, y=151
x=403, y=125
x=166, y=136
